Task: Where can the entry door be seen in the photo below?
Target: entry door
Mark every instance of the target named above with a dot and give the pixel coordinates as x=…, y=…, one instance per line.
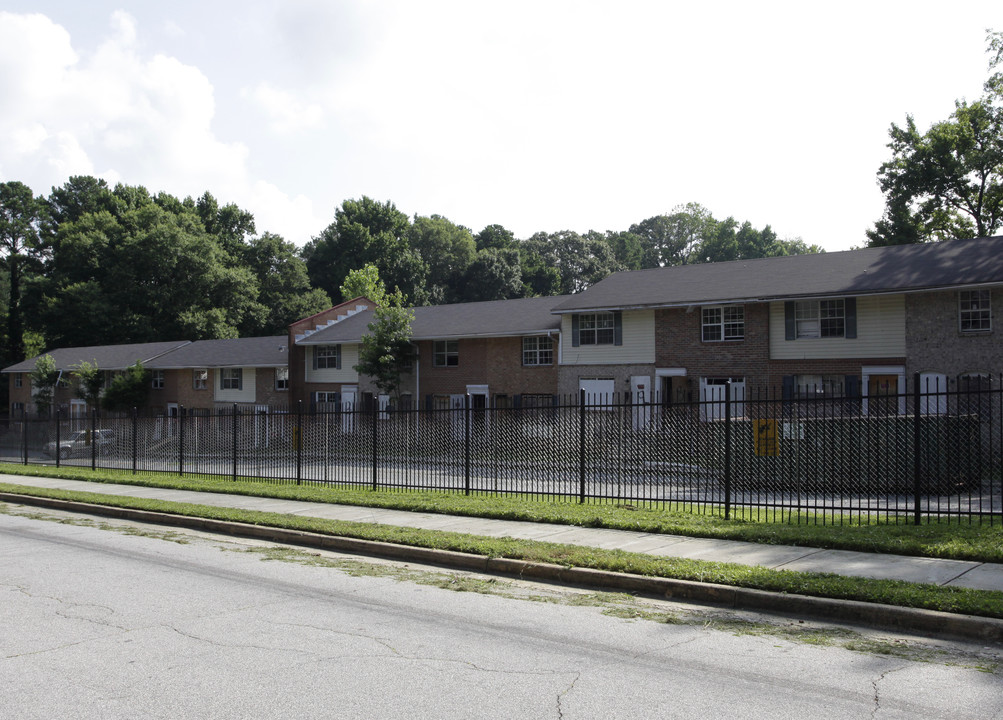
x=882, y=394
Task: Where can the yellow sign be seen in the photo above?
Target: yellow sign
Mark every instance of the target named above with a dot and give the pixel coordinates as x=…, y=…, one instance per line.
x=765, y=437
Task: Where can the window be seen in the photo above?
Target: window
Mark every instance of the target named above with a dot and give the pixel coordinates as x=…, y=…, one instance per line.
x=322, y=396
x=200, y=379
x=281, y=378
x=818, y=385
x=975, y=310
x=723, y=323
x=327, y=357
x=231, y=379
x=596, y=328
x=446, y=353
x=820, y=318
x=17, y=380
x=157, y=381
x=537, y=351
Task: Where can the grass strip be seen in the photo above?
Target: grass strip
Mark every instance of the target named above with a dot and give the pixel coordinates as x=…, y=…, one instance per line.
x=983, y=603
x=953, y=540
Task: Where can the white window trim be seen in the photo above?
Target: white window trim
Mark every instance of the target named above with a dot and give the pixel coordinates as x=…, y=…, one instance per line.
x=227, y=375
x=607, y=325
x=537, y=351
x=988, y=310
x=445, y=353
x=722, y=323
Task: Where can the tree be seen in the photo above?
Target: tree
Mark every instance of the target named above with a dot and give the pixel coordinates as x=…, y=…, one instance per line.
x=19, y=224
x=673, y=239
x=386, y=350
x=90, y=383
x=447, y=250
x=364, y=282
x=495, y=236
x=284, y=289
x=44, y=377
x=366, y=231
x=947, y=183
x=495, y=274
x=128, y=390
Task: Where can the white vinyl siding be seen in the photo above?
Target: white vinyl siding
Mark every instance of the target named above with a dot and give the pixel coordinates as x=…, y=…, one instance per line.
x=349, y=359
x=638, y=343
x=244, y=395
x=880, y=333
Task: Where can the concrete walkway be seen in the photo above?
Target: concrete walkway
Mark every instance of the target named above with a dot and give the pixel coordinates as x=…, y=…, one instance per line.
x=958, y=573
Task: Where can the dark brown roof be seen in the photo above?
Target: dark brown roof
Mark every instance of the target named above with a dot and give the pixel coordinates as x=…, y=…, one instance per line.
x=898, y=268
x=241, y=352
x=495, y=318
x=106, y=357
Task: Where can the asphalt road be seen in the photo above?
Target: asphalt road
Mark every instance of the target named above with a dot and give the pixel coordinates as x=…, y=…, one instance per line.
x=120, y=620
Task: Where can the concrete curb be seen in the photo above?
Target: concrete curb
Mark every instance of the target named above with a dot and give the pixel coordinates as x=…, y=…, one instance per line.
x=873, y=615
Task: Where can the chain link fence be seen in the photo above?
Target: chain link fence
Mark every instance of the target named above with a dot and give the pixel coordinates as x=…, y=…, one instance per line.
x=929, y=454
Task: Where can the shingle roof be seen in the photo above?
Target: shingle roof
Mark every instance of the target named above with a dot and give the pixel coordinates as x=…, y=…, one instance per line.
x=897, y=268
x=106, y=357
x=494, y=318
x=241, y=352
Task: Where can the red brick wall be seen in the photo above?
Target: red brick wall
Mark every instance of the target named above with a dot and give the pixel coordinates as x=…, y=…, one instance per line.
x=495, y=362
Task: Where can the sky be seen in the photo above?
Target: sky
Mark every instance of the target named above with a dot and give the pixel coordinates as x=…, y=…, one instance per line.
x=539, y=116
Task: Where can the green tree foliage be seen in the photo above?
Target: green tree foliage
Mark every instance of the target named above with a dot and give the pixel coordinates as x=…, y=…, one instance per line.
x=947, y=183
x=44, y=377
x=90, y=383
x=494, y=274
x=364, y=282
x=386, y=350
x=284, y=289
x=139, y=272
x=366, y=231
x=128, y=390
x=447, y=250
x=19, y=226
x=496, y=237
x=564, y=262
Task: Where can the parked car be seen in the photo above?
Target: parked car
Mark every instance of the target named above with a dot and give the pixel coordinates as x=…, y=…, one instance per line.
x=78, y=442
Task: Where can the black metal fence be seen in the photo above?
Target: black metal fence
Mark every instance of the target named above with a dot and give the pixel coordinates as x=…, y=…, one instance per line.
x=929, y=454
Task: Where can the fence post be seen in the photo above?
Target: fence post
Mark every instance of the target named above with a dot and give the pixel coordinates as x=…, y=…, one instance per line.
x=727, y=450
x=299, y=442
x=93, y=438
x=581, y=445
x=59, y=439
x=235, y=431
x=376, y=424
x=916, y=436
x=135, y=447
x=181, y=440
x=466, y=444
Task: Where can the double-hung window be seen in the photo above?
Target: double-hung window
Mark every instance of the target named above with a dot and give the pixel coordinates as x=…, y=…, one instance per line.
x=537, y=350
x=327, y=357
x=446, y=353
x=157, y=380
x=820, y=318
x=723, y=323
x=281, y=378
x=975, y=310
x=200, y=379
x=596, y=328
x=231, y=379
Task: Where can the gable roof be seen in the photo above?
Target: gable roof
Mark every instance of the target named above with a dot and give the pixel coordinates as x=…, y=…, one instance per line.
x=237, y=352
x=492, y=318
x=106, y=357
x=869, y=271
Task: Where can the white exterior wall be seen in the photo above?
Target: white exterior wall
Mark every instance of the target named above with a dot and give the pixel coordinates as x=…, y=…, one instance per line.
x=638, y=343
x=344, y=374
x=880, y=333
x=244, y=395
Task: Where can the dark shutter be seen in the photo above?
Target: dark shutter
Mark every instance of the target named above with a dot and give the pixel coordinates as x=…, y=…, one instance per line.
x=788, y=387
x=617, y=327
x=850, y=310
x=517, y=401
x=790, y=326
x=428, y=402
x=574, y=331
x=851, y=387
x=313, y=353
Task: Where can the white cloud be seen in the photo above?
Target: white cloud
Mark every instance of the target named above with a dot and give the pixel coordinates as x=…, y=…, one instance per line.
x=120, y=114
x=287, y=113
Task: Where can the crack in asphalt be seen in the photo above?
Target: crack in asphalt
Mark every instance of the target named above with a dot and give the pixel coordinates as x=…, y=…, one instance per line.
x=877, y=694
x=560, y=695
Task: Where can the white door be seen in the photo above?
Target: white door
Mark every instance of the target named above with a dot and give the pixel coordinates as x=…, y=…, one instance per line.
x=598, y=392
x=712, y=397
x=349, y=396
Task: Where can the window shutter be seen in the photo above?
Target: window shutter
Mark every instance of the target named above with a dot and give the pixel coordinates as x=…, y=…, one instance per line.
x=617, y=327
x=240, y=378
x=790, y=327
x=788, y=387
x=337, y=359
x=850, y=310
x=428, y=403
x=574, y=331
x=851, y=387
x=313, y=354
